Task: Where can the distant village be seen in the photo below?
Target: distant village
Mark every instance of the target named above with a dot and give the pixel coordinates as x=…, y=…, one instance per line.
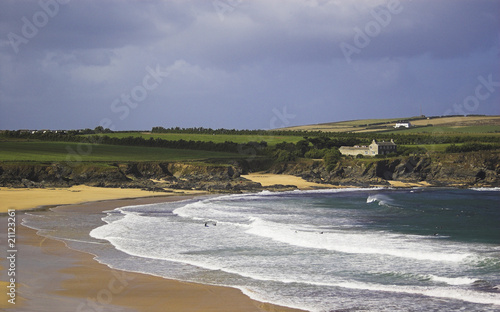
x=76, y=131
x=43, y=131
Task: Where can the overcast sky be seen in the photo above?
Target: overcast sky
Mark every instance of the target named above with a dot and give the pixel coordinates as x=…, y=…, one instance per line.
x=244, y=64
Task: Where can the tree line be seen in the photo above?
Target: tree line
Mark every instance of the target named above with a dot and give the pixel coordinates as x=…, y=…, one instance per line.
x=365, y=138
x=471, y=147
x=322, y=146
x=230, y=147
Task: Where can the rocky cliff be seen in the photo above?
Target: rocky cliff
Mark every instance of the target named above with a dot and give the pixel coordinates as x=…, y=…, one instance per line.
x=147, y=175
x=467, y=169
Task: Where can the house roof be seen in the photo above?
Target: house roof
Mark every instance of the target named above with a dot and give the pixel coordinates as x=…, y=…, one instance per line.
x=391, y=143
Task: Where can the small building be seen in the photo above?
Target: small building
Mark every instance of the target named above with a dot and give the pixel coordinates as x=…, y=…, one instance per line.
x=376, y=148
x=355, y=150
x=405, y=124
x=383, y=148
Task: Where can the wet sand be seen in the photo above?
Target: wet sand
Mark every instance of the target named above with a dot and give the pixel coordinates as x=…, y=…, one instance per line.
x=52, y=277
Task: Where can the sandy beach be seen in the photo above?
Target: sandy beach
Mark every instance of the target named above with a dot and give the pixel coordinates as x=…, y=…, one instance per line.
x=29, y=198
x=409, y=184
x=52, y=277
x=269, y=179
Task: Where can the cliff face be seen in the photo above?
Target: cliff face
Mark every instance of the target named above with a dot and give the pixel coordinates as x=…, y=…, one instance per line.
x=468, y=169
x=135, y=175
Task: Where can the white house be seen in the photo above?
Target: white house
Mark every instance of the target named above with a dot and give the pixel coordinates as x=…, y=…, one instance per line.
x=403, y=124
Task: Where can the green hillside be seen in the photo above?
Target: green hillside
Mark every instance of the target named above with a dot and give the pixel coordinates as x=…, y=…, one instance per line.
x=68, y=151
x=448, y=125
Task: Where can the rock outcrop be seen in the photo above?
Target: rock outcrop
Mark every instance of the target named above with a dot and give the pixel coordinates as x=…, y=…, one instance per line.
x=145, y=175
x=465, y=170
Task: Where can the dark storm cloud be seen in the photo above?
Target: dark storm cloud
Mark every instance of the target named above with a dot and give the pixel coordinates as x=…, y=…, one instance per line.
x=253, y=57
x=81, y=24
x=442, y=29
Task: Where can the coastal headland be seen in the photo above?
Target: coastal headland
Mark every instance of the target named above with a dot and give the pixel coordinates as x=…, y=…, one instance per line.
x=440, y=151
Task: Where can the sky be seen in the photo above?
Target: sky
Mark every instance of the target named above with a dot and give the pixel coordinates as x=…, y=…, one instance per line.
x=244, y=64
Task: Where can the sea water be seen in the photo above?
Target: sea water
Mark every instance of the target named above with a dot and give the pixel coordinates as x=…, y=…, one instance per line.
x=328, y=250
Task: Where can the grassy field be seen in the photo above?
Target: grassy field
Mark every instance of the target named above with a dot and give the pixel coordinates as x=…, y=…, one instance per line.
x=459, y=121
x=449, y=125
x=218, y=138
x=16, y=149
x=62, y=151
x=491, y=130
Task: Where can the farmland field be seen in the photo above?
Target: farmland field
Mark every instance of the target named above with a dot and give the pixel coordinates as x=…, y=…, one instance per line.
x=63, y=151
x=452, y=130
x=450, y=125
x=217, y=138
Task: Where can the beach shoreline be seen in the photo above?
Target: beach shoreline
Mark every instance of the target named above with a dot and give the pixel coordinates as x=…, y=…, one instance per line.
x=73, y=265
x=29, y=199
x=74, y=278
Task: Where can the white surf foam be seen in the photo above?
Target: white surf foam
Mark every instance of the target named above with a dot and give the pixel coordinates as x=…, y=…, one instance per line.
x=456, y=281
x=437, y=292
x=120, y=234
x=405, y=246
x=486, y=189
x=383, y=200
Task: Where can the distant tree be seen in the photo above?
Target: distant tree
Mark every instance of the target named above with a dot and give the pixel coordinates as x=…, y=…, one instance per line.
x=99, y=129
x=470, y=147
x=302, y=147
x=315, y=153
x=283, y=155
x=87, y=131
x=331, y=158
x=411, y=150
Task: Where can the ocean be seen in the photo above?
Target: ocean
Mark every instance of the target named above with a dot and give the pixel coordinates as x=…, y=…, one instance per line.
x=324, y=250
